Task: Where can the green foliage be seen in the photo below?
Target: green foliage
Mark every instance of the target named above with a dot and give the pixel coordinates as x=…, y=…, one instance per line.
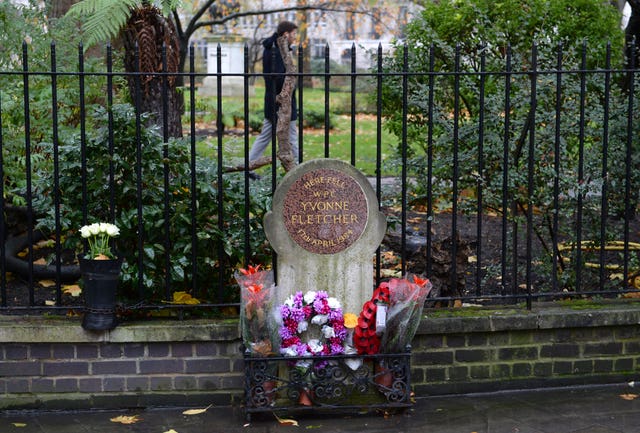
x=28, y=40
x=102, y=20
x=475, y=38
x=144, y=184
x=315, y=119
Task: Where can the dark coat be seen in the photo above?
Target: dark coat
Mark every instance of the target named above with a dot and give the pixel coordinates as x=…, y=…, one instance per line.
x=272, y=63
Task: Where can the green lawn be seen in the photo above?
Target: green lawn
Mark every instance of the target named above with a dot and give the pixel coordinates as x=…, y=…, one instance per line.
x=314, y=138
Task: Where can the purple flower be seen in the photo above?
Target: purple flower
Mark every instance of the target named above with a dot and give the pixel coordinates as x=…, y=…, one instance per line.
x=336, y=315
x=285, y=333
x=337, y=349
x=297, y=314
x=302, y=349
x=285, y=311
x=297, y=300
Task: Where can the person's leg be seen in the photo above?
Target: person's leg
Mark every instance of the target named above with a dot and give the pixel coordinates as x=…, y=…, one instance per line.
x=262, y=141
x=293, y=139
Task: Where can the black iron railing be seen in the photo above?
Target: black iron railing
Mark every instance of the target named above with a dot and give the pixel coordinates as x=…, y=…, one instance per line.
x=519, y=225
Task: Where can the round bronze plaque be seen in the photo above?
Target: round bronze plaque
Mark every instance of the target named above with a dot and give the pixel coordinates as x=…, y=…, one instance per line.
x=325, y=211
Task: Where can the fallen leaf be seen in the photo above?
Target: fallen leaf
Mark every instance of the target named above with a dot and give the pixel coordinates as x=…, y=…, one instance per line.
x=19, y=424
x=49, y=303
x=286, y=421
x=126, y=419
x=171, y=431
x=183, y=298
x=47, y=283
x=45, y=243
x=632, y=384
x=73, y=290
x=390, y=273
x=628, y=396
x=40, y=261
x=196, y=411
x=472, y=259
x=247, y=424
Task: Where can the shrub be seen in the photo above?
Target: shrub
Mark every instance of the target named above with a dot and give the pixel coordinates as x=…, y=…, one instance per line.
x=136, y=199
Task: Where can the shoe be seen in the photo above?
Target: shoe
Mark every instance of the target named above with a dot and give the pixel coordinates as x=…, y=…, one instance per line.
x=254, y=176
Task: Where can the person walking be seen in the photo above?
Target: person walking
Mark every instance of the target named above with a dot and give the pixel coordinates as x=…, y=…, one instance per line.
x=274, y=69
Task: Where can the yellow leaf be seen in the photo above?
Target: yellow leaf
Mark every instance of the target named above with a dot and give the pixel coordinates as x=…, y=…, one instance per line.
x=47, y=283
x=171, y=431
x=196, y=411
x=23, y=253
x=19, y=424
x=286, y=421
x=616, y=276
x=472, y=259
x=49, y=303
x=628, y=396
x=126, y=419
x=184, y=298
x=73, y=290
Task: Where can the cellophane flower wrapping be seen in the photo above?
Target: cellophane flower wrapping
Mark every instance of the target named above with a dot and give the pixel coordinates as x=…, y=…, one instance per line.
x=406, y=303
x=259, y=330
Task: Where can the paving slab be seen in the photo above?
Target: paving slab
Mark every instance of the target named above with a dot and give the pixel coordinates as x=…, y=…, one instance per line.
x=601, y=409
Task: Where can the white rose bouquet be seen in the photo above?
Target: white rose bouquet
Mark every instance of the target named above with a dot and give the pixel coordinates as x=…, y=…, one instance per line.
x=98, y=235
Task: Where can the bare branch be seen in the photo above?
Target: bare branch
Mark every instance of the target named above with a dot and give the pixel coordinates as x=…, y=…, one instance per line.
x=322, y=6
x=253, y=165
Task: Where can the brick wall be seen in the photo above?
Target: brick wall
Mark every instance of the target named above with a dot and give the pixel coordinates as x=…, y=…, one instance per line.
x=546, y=347
x=53, y=363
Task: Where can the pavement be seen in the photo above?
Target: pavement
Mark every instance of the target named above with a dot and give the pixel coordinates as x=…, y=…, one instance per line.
x=600, y=409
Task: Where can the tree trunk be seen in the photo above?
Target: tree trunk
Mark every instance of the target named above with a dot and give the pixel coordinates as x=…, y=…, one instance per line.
x=285, y=155
x=145, y=35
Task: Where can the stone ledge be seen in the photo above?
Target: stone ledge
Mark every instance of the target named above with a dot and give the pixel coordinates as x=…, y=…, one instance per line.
x=542, y=316
x=48, y=329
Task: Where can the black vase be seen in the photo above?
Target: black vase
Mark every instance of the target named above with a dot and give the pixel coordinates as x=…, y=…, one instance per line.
x=100, y=278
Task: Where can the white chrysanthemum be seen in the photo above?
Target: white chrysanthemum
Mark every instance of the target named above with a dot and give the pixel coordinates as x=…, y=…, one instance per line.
x=320, y=319
x=315, y=346
x=289, y=351
x=289, y=301
x=309, y=297
x=328, y=332
x=333, y=303
x=303, y=326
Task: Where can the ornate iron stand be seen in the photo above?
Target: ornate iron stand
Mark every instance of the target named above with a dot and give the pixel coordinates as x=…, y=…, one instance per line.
x=276, y=383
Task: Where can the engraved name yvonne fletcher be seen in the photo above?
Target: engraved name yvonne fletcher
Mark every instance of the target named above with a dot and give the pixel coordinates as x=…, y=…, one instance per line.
x=325, y=211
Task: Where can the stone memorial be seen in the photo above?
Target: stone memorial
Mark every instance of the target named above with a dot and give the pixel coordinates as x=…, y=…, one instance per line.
x=231, y=64
x=325, y=226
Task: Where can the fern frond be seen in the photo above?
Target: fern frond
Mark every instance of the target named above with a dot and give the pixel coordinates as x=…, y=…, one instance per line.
x=102, y=19
x=167, y=6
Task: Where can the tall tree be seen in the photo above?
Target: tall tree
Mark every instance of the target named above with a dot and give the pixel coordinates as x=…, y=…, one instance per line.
x=150, y=28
